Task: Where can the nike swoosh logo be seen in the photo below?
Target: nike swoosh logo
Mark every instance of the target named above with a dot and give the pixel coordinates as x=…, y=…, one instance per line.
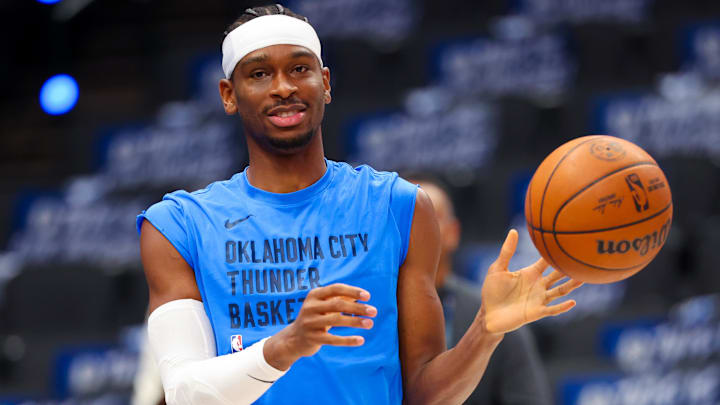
x=230, y=225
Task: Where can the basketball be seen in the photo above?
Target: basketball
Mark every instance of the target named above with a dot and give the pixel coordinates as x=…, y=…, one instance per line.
x=598, y=209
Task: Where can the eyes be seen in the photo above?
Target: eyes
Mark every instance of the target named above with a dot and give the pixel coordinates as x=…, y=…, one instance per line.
x=260, y=74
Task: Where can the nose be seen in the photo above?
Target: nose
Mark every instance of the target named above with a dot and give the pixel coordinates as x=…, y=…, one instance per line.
x=283, y=87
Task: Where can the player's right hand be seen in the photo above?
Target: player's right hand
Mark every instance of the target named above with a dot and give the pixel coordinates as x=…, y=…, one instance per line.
x=323, y=308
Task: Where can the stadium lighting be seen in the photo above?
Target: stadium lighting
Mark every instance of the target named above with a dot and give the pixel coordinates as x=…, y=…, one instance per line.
x=59, y=94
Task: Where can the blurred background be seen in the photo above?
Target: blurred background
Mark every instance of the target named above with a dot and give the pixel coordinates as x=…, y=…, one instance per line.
x=107, y=105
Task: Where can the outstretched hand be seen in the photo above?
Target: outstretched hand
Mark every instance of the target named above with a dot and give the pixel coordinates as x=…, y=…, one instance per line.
x=513, y=299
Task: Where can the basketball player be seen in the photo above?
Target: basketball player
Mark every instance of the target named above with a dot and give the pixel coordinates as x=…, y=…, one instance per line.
x=302, y=280
x=514, y=375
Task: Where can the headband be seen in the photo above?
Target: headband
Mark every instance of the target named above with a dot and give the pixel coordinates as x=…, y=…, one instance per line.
x=265, y=31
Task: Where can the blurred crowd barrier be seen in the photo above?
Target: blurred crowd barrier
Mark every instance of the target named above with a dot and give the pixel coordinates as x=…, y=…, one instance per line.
x=527, y=63
x=407, y=141
x=550, y=11
x=93, y=374
x=674, y=360
x=682, y=116
x=90, y=221
x=385, y=23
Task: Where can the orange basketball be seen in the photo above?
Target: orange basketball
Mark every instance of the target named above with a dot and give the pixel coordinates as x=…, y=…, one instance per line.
x=598, y=209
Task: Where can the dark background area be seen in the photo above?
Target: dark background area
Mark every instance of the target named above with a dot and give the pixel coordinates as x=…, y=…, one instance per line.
x=131, y=58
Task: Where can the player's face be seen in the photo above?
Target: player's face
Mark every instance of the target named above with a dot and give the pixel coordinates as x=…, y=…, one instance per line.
x=280, y=92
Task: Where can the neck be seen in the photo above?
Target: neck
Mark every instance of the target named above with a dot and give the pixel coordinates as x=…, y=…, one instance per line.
x=285, y=173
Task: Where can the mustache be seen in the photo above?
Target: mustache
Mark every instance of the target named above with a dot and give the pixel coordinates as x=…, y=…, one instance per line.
x=288, y=101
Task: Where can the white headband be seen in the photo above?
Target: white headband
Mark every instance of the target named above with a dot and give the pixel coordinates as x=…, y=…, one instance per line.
x=265, y=31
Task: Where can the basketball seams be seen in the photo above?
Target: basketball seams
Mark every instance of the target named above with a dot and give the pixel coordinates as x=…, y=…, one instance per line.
x=547, y=185
x=603, y=177
x=641, y=265
x=605, y=229
x=557, y=214
x=529, y=207
x=578, y=203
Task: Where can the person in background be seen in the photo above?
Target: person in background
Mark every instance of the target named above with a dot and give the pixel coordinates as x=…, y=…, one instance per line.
x=515, y=374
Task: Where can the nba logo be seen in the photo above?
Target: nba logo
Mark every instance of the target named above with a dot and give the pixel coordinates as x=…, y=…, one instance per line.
x=637, y=190
x=235, y=343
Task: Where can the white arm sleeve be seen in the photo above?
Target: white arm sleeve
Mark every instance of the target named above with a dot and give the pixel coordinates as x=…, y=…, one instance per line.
x=183, y=344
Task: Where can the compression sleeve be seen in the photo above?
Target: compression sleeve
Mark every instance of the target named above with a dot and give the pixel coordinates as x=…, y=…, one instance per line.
x=184, y=347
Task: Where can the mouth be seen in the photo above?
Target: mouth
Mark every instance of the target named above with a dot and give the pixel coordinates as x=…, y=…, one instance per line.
x=287, y=116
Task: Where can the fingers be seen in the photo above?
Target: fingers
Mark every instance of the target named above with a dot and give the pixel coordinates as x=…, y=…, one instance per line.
x=324, y=308
x=339, y=290
x=539, y=266
x=552, y=278
x=337, y=319
x=506, y=252
x=559, y=308
x=338, y=308
x=562, y=290
x=339, y=304
x=335, y=340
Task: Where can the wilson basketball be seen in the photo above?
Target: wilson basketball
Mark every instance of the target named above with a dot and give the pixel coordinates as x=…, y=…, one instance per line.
x=598, y=209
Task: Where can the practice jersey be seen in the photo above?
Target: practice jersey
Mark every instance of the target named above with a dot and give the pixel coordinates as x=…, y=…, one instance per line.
x=256, y=255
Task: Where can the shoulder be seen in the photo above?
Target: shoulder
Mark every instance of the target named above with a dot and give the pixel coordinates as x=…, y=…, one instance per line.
x=364, y=172
x=379, y=179
x=374, y=183
x=210, y=192
x=215, y=191
x=176, y=207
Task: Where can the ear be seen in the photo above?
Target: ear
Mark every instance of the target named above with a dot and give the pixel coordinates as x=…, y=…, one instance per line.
x=227, y=94
x=326, y=84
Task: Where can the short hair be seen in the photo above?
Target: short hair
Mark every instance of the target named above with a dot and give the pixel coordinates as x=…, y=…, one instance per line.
x=254, y=12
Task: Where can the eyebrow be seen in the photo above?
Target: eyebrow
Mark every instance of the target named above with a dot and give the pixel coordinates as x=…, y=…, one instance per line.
x=255, y=59
x=301, y=53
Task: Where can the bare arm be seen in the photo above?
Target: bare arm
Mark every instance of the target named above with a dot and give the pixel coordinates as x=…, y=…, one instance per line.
x=168, y=275
x=430, y=373
x=433, y=375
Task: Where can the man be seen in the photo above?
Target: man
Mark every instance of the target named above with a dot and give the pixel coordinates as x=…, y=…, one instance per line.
x=264, y=286
x=515, y=374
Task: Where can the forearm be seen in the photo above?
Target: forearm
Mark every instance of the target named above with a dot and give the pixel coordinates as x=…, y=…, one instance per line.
x=452, y=376
x=191, y=372
x=238, y=378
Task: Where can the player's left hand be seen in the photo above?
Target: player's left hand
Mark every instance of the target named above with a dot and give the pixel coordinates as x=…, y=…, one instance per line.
x=513, y=299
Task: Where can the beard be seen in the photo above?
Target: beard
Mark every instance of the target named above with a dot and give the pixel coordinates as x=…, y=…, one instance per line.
x=291, y=144
x=282, y=144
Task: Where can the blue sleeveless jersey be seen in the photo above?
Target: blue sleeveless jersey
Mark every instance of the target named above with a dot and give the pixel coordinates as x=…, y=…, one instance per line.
x=257, y=254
